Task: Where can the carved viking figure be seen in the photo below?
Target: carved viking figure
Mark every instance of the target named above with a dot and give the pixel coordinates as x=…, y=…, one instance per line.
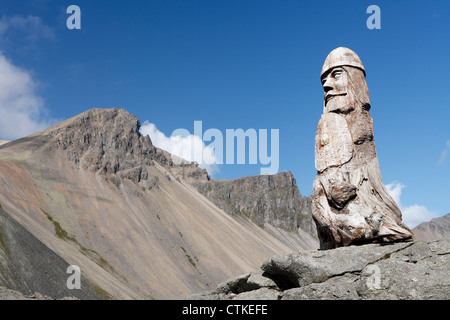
x=350, y=203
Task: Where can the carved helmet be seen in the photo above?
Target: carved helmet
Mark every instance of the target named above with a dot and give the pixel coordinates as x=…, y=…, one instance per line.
x=342, y=57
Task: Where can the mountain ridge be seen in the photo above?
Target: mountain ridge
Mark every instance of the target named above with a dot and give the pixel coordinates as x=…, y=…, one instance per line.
x=99, y=195
x=435, y=229
x=273, y=202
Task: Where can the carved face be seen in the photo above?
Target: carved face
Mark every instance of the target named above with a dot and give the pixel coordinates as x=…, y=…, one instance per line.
x=345, y=89
x=334, y=84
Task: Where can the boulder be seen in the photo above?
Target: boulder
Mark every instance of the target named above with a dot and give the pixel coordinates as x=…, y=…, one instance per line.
x=397, y=271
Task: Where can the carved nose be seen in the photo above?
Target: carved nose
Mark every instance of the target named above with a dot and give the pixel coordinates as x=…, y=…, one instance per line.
x=327, y=85
x=327, y=88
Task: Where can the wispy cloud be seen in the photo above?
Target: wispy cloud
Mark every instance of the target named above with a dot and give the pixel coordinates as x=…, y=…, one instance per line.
x=23, y=33
x=22, y=111
x=444, y=153
x=189, y=147
x=32, y=27
x=414, y=214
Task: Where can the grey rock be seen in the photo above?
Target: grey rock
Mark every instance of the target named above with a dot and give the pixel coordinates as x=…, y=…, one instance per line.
x=259, y=294
x=259, y=280
x=337, y=288
x=234, y=285
x=250, y=286
x=400, y=271
x=418, y=272
x=206, y=295
x=304, y=268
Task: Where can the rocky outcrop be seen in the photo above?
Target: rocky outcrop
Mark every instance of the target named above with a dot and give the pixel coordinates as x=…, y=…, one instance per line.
x=273, y=199
x=267, y=200
x=437, y=228
x=108, y=142
x=414, y=270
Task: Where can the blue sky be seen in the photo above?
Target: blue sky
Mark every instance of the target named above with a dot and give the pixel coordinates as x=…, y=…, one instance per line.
x=240, y=64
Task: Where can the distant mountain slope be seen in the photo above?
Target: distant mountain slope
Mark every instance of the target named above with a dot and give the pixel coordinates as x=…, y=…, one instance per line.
x=437, y=228
x=272, y=202
x=97, y=193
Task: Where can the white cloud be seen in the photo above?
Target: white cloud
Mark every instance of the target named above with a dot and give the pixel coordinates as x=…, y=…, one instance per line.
x=444, y=152
x=21, y=109
x=188, y=147
x=395, y=190
x=414, y=214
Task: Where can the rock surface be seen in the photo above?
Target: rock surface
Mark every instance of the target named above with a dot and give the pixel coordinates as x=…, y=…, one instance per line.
x=437, y=228
x=273, y=202
x=350, y=203
x=413, y=270
x=8, y=294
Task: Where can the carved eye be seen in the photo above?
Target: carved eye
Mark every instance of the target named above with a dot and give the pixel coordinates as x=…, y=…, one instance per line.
x=337, y=74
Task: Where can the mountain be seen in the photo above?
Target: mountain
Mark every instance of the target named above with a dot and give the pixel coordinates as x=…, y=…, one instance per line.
x=437, y=228
x=273, y=202
x=399, y=271
x=3, y=142
x=92, y=191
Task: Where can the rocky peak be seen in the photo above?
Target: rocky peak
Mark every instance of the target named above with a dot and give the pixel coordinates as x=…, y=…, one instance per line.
x=108, y=142
x=102, y=139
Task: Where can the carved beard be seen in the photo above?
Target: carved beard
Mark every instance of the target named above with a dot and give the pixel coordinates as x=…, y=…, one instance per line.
x=355, y=94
